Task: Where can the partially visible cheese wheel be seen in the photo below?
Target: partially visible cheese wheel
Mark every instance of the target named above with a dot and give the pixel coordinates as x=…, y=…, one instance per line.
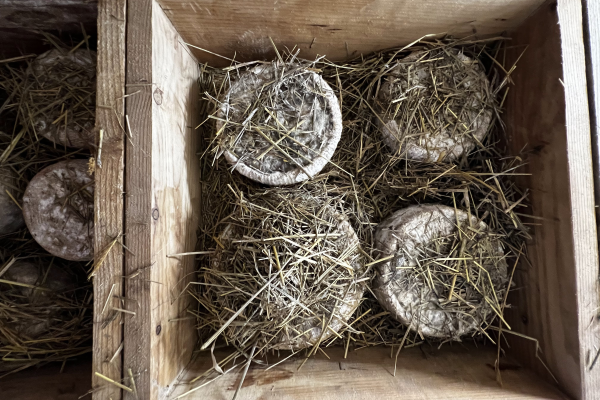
x=52, y=282
x=42, y=313
x=58, y=206
x=435, y=106
x=11, y=217
x=68, y=117
x=408, y=286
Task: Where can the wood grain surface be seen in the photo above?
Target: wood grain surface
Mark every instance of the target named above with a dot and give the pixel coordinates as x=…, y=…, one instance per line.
x=546, y=114
x=138, y=333
x=108, y=199
x=338, y=29
x=162, y=194
x=581, y=190
x=455, y=372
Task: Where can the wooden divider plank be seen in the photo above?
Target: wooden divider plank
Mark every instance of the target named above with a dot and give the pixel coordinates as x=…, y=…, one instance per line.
x=138, y=201
x=162, y=184
x=108, y=198
x=546, y=114
x=176, y=198
x=579, y=153
x=340, y=29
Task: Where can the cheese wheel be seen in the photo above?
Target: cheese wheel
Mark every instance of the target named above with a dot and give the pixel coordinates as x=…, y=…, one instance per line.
x=58, y=206
x=434, y=106
x=279, y=124
x=417, y=298
x=305, y=331
x=68, y=117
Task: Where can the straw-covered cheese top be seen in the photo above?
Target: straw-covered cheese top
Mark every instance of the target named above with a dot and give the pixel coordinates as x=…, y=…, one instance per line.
x=301, y=258
x=279, y=123
x=445, y=274
x=435, y=105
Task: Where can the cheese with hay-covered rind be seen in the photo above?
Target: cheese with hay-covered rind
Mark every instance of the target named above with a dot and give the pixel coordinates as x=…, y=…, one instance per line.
x=448, y=133
x=407, y=296
x=68, y=123
x=309, y=115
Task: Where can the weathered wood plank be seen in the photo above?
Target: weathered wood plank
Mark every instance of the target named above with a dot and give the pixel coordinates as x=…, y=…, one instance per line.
x=176, y=197
x=338, y=29
x=579, y=154
x=454, y=372
x=108, y=202
x=557, y=296
x=138, y=202
x=162, y=188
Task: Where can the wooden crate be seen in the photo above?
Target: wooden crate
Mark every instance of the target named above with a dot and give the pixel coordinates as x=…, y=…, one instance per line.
x=148, y=189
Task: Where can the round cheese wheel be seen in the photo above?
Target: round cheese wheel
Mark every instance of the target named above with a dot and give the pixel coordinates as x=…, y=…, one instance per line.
x=279, y=124
x=58, y=206
x=68, y=117
x=414, y=288
x=434, y=106
x=316, y=302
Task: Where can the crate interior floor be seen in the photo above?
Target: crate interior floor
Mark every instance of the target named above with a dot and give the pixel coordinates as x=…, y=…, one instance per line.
x=456, y=371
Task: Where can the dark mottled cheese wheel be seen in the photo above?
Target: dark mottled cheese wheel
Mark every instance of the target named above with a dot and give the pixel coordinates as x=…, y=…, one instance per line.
x=58, y=206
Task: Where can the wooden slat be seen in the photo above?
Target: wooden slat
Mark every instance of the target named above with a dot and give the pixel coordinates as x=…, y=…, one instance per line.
x=48, y=383
x=336, y=28
x=108, y=202
x=21, y=22
x=579, y=153
x=176, y=196
x=162, y=187
x=591, y=14
x=557, y=296
x=138, y=202
x=454, y=372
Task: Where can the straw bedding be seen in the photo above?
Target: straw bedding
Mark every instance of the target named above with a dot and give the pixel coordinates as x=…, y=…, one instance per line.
x=45, y=301
x=373, y=181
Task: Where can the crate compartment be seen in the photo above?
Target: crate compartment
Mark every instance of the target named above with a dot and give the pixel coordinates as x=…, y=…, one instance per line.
x=20, y=35
x=537, y=111
x=148, y=187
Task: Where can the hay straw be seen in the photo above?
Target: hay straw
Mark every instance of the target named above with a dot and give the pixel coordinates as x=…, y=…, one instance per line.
x=285, y=266
x=372, y=182
x=69, y=331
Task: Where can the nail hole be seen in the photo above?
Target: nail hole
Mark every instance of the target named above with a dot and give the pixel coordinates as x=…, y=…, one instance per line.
x=158, y=96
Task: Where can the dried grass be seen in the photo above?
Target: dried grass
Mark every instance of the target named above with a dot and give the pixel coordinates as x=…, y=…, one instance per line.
x=372, y=182
x=69, y=331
